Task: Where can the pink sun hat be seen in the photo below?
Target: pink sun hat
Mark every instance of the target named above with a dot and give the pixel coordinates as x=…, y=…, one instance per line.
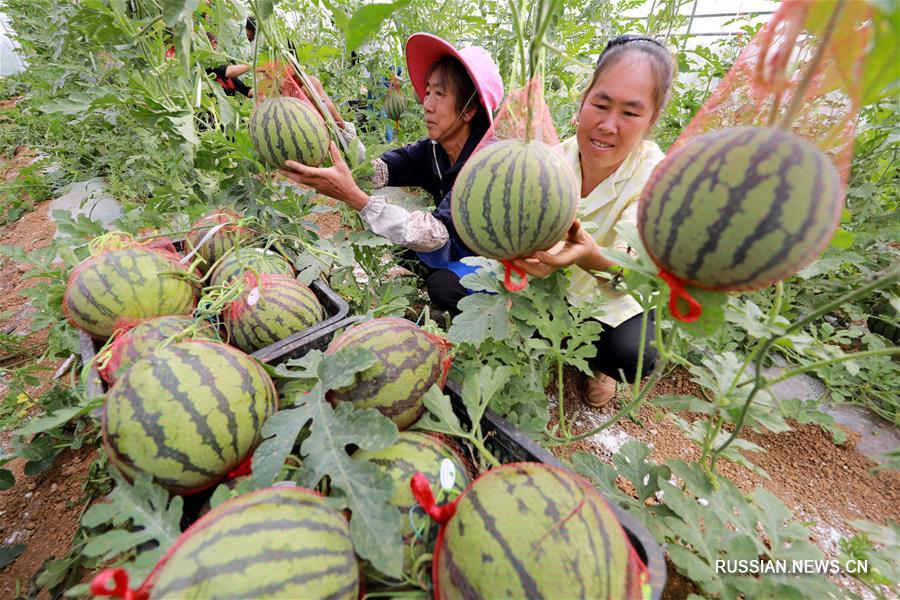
x=422, y=49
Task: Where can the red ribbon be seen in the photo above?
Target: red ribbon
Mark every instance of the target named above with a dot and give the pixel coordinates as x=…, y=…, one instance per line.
x=245, y=468
x=676, y=285
x=120, y=589
x=509, y=269
x=421, y=491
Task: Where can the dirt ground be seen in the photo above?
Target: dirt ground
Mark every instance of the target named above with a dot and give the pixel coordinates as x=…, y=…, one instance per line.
x=821, y=482
x=41, y=512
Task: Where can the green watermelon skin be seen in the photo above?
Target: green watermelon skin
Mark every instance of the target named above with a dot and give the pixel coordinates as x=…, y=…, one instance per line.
x=513, y=198
x=188, y=414
x=409, y=362
x=234, y=264
x=279, y=542
x=145, y=337
x=229, y=237
x=394, y=104
x=740, y=208
x=527, y=530
x=285, y=129
x=415, y=452
x=129, y=283
x=284, y=307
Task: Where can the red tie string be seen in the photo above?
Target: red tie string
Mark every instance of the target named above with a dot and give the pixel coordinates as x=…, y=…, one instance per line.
x=120, y=589
x=677, y=287
x=509, y=269
x=421, y=490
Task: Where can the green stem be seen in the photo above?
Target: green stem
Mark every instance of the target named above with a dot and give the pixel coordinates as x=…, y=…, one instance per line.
x=775, y=310
x=640, y=361
x=483, y=451
x=831, y=361
x=562, y=54
x=259, y=32
x=886, y=278
x=520, y=38
x=560, y=392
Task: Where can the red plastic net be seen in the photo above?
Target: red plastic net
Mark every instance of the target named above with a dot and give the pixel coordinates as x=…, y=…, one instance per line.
x=808, y=60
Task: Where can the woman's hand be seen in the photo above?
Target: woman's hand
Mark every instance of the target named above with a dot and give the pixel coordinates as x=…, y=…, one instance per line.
x=578, y=248
x=335, y=181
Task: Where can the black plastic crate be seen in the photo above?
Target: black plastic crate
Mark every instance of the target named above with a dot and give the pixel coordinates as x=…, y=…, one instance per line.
x=503, y=439
x=295, y=346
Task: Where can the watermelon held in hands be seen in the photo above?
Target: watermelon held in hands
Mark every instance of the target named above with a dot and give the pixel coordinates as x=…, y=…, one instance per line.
x=512, y=199
x=271, y=308
x=286, y=128
x=279, y=542
x=528, y=530
x=188, y=414
x=215, y=234
x=130, y=283
x=410, y=361
x=739, y=209
x=236, y=263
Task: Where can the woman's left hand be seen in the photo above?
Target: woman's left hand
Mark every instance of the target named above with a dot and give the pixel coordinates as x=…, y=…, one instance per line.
x=335, y=181
x=577, y=247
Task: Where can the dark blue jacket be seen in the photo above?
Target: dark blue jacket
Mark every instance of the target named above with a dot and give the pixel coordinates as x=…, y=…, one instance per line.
x=426, y=165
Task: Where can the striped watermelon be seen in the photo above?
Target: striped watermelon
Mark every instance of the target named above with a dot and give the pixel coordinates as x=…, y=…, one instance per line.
x=394, y=101
x=271, y=308
x=513, y=198
x=285, y=129
x=145, y=337
x=279, y=542
x=416, y=452
x=215, y=234
x=188, y=414
x=409, y=362
x=740, y=208
x=244, y=259
x=126, y=282
x=527, y=530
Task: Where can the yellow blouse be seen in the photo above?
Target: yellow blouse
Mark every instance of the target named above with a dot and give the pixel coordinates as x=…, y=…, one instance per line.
x=614, y=201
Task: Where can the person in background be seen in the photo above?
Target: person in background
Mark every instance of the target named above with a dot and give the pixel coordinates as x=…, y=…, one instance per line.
x=459, y=91
x=227, y=75
x=612, y=156
x=250, y=29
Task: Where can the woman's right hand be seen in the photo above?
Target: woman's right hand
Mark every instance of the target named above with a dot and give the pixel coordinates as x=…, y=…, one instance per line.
x=335, y=181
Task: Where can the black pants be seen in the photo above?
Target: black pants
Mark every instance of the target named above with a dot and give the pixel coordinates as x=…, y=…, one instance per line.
x=618, y=349
x=443, y=286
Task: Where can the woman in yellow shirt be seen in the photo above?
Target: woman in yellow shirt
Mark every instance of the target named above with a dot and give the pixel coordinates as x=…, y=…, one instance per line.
x=613, y=158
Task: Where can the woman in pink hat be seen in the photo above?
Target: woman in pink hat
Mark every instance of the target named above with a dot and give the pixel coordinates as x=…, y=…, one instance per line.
x=459, y=91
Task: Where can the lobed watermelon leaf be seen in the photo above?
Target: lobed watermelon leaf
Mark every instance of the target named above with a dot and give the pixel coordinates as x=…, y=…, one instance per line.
x=138, y=514
x=358, y=485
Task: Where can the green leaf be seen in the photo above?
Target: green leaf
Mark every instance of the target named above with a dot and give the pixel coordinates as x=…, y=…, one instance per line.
x=881, y=73
x=366, y=21
x=440, y=417
x=264, y=9
x=482, y=317
x=10, y=553
x=59, y=418
x=153, y=515
x=7, y=479
x=712, y=317
x=178, y=11
x=480, y=386
x=340, y=369
x=631, y=463
x=842, y=239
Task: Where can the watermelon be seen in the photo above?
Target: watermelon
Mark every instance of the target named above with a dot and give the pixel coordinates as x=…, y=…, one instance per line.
x=127, y=282
x=514, y=198
x=144, y=338
x=409, y=362
x=236, y=263
x=416, y=452
x=215, y=234
x=394, y=101
x=285, y=129
x=278, y=542
x=188, y=414
x=527, y=530
x=271, y=308
x=740, y=208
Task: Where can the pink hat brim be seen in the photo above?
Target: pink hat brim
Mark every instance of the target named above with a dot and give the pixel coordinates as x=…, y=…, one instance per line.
x=422, y=49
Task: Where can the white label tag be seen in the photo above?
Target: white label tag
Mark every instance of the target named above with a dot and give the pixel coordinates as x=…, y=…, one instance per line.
x=253, y=296
x=448, y=474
